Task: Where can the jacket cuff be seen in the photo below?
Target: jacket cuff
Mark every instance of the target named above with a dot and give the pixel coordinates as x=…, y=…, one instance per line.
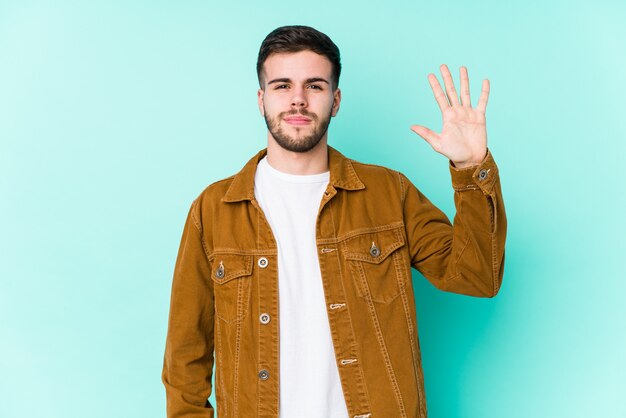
x=482, y=176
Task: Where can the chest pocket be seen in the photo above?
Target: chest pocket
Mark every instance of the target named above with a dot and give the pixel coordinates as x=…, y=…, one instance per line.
x=377, y=264
x=231, y=274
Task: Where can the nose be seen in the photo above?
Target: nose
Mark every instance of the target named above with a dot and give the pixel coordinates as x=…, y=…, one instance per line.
x=299, y=98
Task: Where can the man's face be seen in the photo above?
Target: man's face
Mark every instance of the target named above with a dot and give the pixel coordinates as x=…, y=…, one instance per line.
x=297, y=99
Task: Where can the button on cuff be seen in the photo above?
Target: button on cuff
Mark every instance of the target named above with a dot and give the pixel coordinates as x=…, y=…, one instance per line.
x=481, y=177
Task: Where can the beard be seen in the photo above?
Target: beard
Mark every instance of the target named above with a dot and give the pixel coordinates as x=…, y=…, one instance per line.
x=298, y=143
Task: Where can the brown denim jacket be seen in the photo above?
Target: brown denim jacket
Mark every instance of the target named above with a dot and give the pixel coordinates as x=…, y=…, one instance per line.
x=372, y=226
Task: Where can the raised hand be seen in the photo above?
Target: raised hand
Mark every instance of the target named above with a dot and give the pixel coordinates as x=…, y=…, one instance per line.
x=463, y=137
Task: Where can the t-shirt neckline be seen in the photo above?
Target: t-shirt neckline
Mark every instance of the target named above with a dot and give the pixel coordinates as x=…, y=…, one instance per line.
x=293, y=178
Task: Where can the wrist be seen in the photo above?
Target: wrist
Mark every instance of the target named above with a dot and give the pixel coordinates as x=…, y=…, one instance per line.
x=469, y=163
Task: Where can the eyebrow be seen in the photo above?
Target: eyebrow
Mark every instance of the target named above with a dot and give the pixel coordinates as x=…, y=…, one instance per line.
x=308, y=80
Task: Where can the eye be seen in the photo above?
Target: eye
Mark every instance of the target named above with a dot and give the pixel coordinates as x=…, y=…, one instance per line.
x=281, y=86
x=315, y=87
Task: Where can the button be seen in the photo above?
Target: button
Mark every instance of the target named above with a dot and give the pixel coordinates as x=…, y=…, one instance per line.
x=264, y=375
x=264, y=318
x=262, y=262
x=220, y=271
x=374, y=250
x=482, y=174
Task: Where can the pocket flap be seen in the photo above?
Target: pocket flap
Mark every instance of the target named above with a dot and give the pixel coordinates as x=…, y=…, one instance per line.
x=374, y=247
x=227, y=267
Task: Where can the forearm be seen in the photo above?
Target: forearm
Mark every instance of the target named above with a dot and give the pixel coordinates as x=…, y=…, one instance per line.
x=480, y=227
x=466, y=257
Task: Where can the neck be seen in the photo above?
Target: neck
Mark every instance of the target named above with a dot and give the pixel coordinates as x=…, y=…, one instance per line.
x=314, y=161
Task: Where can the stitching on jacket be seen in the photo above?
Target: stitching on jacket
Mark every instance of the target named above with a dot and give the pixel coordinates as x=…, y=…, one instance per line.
x=361, y=384
x=363, y=231
x=360, y=231
x=198, y=226
x=383, y=347
x=258, y=228
x=233, y=251
x=494, y=247
x=237, y=344
x=402, y=189
x=387, y=169
x=196, y=221
x=466, y=187
x=412, y=331
x=220, y=353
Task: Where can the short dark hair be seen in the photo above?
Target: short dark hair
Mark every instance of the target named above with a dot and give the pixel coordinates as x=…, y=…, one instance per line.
x=298, y=38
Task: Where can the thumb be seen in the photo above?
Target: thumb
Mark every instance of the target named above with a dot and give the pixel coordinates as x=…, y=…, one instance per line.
x=429, y=136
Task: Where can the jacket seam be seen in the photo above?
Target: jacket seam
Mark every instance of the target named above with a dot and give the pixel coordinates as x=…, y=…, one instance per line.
x=382, y=345
x=403, y=191
x=361, y=231
x=222, y=388
x=200, y=230
x=492, y=232
x=237, y=346
x=400, y=272
x=236, y=251
x=466, y=187
x=387, y=169
x=342, y=281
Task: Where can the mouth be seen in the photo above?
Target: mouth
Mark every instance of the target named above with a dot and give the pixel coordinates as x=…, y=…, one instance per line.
x=297, y=120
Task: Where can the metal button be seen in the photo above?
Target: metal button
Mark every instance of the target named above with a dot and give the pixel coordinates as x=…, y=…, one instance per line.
x=264, y=318
x=374, y=250
x=482, y=174
x=264, y=375
x=220, y=271
x=262, y=262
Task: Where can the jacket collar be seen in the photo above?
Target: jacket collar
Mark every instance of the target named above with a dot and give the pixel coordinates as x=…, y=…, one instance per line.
x=342, y=176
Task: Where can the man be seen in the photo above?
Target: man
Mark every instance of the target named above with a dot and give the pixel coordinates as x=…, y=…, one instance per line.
x=294, y=274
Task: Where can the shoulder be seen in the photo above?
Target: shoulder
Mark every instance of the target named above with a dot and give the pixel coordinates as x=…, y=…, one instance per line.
x=217, y=188
x=368, y=169
x=213, y=193
x=376, y=177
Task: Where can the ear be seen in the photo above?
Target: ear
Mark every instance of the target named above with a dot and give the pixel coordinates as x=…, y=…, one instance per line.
x=259, y=95
x=336, y=101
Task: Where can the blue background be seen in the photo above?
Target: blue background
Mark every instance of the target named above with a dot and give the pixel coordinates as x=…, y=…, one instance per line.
x=115, y=115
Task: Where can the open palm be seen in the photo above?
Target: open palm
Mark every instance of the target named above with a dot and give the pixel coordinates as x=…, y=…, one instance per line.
x=463, y=137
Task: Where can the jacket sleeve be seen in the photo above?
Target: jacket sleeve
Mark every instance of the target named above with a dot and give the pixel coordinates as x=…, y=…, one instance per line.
x=188, y=360
x=466, y=258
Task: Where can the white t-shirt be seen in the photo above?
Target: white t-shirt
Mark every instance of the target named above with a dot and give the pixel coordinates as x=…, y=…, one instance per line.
x=309, y=379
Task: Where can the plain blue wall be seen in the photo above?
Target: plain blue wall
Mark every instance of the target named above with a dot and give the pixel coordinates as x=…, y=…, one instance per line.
x=115, y=115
